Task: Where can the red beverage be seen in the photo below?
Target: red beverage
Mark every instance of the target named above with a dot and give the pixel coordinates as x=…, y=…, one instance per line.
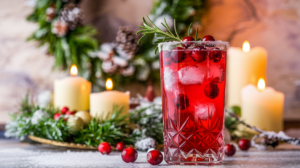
x=193, y=92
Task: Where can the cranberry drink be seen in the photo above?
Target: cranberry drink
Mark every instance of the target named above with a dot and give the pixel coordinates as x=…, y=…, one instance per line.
x=193, y=75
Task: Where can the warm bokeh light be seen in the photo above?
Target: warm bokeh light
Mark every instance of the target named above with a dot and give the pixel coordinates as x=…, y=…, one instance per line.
x=109, y=84
x=246, y=46
x=73, y=70
x=261, y=85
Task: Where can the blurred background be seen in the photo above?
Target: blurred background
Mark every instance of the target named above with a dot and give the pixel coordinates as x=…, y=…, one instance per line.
x=271, y=24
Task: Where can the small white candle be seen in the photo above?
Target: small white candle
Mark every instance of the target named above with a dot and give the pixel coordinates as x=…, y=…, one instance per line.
x=262, y=107
x=101, y=104
x=244, y=66
x=72, y=92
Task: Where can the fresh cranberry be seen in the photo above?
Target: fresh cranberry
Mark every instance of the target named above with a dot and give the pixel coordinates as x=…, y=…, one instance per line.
x=244, y=144
x=70, y=112
x=199, y=54
x=186, y=42
x=120, y=146
x=178, y=54
x=64, y=110
x=181, y=101
x=104, y=148
x=129, y=155
x=208, y=38
x=229, y=150
x=166, y=57
x=211, y=90
x=56, y=116
x=154, y=157
x=215, y=55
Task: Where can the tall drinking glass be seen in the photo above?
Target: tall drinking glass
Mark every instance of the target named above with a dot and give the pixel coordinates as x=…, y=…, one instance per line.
x=193, y=77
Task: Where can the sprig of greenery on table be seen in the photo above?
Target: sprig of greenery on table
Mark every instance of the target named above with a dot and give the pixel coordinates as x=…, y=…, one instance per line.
x=148, y=125
x=110, y=129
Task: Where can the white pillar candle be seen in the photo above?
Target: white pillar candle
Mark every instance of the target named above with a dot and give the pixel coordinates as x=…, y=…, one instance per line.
x=72, y=92
x=101, y=104
x=262, y=107
x=243, y=67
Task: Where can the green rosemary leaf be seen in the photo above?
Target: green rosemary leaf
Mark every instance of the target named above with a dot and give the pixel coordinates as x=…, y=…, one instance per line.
x=141, y=39
x=156, y=49
x=199, y=39
x=196, y=36
x=189, y=32
x=176, y=29
x=168, y=27
x=152, y=23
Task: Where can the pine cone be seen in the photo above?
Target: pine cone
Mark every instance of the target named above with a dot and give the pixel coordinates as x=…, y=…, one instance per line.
x=72, y=15
x=50, y=13
x=126, y=42
x=60, y=28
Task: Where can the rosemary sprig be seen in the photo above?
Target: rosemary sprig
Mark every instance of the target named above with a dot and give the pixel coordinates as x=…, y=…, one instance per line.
x=162, y=36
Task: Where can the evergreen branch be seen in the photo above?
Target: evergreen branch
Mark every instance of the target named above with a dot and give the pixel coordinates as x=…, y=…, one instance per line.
x=189, y=32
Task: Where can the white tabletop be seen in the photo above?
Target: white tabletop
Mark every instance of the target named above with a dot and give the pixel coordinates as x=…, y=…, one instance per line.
x=14, y=154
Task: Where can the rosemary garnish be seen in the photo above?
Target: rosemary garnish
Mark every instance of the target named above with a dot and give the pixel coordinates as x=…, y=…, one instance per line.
x=162, y=36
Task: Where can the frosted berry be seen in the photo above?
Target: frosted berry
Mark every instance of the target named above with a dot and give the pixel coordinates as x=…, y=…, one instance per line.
x=178, y=54
x=56, y=116
x=104, y=148
x=229, y=150
x=181, y=101
x=199, y=54
x=120, y=146
x=64, y=110
x=244, y=144
x=129, y=155
x=186, y=42
x=154, y=157
x=208, y=38
x=70, y=112
x=165, y=56
x=211, y=90
x=215, y=55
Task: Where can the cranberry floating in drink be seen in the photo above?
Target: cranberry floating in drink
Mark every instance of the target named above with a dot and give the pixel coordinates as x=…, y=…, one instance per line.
x=193, y=75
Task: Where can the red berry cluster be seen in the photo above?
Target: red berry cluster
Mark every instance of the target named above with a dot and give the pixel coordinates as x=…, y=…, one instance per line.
x=129, y=155
x=64, y=112
x=244, y=144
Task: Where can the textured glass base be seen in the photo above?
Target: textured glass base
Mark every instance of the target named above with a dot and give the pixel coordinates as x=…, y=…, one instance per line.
x=208, y=159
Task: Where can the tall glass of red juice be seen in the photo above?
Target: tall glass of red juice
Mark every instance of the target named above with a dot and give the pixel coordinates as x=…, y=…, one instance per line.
x=193, y=77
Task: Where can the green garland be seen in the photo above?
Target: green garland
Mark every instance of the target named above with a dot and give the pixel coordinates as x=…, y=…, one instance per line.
x=114, y=129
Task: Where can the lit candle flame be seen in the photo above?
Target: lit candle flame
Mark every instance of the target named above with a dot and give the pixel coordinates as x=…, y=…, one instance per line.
x=261, y=85
x=73, y=70
x=246, y=46
x=109, y=84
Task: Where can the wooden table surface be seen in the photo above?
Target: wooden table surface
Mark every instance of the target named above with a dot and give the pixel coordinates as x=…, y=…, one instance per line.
x=14, y=154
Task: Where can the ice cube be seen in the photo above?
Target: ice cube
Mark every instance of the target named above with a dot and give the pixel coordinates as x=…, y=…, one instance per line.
x=216, y=73
x=205, y=111
x=170, y=79
x=192, y=74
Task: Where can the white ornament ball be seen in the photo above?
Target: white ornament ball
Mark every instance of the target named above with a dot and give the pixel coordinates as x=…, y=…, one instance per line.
x=74, y=124
x=85, y=116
